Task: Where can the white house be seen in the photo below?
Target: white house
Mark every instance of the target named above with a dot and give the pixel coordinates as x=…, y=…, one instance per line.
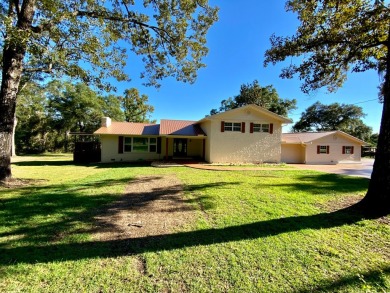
x=247, y=134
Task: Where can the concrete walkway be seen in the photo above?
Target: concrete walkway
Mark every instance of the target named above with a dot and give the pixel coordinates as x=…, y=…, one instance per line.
x=206, y=166
x=214, y=167
x=363, y=169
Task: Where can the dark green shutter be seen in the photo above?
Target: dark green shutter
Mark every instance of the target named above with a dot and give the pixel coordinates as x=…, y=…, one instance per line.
x=120, y=144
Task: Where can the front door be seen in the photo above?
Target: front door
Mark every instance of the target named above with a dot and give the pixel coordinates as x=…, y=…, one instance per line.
x=180, y=147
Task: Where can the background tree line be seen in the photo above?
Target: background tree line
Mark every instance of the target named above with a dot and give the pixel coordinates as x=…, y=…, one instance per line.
x=335, y=116
x=47, y=114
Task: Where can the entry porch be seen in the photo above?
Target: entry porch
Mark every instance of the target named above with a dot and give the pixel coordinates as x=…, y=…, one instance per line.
x=180, y=147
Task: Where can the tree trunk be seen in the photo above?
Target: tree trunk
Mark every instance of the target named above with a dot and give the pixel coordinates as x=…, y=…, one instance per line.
x=12, y=71
x=377, y=199
x=13, y=54
x=13, y=147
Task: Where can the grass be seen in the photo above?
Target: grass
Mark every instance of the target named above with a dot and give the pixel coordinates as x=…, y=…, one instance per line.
x=255, y=231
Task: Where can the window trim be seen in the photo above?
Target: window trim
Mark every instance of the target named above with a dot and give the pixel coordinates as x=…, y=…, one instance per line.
x=259, y=127
x=149, y=144
x=152, y=144
x=348, y=150
x=233, y=126
x=320, y=149
x=127, y=144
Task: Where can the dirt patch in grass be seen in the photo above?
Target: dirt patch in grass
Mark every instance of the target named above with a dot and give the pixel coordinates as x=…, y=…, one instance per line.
x=17, y=183
x=349, y=201
x=341, y=203
x=151, y=205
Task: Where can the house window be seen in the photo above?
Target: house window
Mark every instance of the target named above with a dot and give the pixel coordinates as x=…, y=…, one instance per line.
x=264, y=127
x=152, y=145
x=348, y=150
x=140, y=144
x=230, y=126
x=127, y=144
x=322, y=149
x=260, y=127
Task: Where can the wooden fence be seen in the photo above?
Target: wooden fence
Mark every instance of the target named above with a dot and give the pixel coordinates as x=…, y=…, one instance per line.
x=87, y=152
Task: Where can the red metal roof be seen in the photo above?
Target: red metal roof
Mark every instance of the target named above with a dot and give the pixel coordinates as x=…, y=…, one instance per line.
x=167, y=127
x=306, y=137
x=303, y=137
x=129, y=128
x=180, y=127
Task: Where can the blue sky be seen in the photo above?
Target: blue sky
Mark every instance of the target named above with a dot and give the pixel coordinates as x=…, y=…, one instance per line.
x=237, y=43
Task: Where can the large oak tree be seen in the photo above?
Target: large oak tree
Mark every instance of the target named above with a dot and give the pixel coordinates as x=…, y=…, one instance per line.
x=336, y=37
x=264, y=96
x=136, y=107
x=344, y=117
x=90, y=40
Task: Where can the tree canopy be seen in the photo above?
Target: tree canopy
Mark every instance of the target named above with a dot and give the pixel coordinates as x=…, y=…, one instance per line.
x=135, y=106
x=335, y=38
x=253, y=93
x=33, y=124
x=47, y=114
x=91, y=41
x=74, y=107
x=344, y=117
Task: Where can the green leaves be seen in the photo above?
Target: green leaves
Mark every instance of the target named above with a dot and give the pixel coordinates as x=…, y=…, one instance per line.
x=334, y=38
x=254, y=93
x=135, y=106
x=91, y=40
x=344, y=117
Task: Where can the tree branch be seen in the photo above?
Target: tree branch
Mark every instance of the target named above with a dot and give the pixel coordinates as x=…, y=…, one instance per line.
x=17, y=8
x=107, y=16
x=42, y=69
x=41, y=28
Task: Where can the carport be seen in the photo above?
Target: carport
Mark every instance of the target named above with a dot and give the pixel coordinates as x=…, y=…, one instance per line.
x=293, y=153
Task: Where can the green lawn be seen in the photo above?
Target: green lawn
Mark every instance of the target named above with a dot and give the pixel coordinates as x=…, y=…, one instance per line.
x=254, y=231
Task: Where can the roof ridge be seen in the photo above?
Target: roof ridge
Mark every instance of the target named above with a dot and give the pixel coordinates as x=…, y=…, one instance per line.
x=147, y=123
x=178, y=120
x=302, y=132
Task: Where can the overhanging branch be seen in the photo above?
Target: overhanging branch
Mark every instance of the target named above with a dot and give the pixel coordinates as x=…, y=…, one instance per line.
x=47, y=69
x=107, y=16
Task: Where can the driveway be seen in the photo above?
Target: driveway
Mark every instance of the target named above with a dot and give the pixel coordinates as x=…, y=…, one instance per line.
x=363, y=169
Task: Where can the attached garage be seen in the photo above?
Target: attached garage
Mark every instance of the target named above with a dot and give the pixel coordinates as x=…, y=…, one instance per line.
x=331, y=147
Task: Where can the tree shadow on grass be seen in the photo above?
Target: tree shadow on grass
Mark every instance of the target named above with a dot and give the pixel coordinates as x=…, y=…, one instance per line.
x=373, y=280
x=36, y=163
x=40, y=213
x=323, y=183
x=39, y=217
x=43, y=253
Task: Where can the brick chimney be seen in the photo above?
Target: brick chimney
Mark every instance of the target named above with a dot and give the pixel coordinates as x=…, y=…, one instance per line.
x=106, y=121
